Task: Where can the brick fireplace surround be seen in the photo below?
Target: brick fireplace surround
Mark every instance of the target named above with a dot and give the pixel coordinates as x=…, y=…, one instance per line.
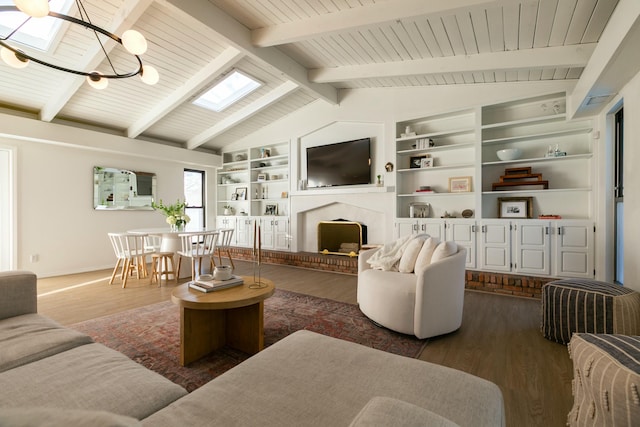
x=500, y=283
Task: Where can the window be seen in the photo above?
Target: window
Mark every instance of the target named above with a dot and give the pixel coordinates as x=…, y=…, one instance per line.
x=37, y=32
x=194, y=197
x=229, y=90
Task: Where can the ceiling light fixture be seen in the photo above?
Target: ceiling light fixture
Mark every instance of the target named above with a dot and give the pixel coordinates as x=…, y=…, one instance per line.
x=131, y=40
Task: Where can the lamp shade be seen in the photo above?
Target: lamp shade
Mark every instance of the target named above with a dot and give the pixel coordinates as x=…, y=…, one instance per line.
x=134, y=42
x=33, y=8
x=96, y=80
x=149, y=75
x=12, y=59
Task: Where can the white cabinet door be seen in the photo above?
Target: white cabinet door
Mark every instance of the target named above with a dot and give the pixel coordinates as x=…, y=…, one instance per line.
x=574, y=249
x=432, y=227
x=495, y=246
x=463, y=232
x=244, y=231
x=405, y=227
x=533, y=247
x=228, y=222
x=281, y=234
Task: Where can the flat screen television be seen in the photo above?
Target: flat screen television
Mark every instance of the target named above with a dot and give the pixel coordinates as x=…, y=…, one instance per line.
x=342, y=163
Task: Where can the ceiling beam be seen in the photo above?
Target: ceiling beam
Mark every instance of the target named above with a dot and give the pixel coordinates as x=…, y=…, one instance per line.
x=353, y=19
x=239, y=36
x=244, y=113
x=126, y=17
x=210, y=71
x=548, y=57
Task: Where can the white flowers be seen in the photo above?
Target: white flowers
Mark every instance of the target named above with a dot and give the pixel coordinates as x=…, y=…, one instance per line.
x=176, y=217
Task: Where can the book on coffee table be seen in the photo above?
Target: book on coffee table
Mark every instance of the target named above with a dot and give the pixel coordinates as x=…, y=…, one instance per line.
x=215, y=285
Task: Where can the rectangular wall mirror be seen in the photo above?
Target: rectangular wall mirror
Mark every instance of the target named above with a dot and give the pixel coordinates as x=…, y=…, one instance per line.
x=123, y=189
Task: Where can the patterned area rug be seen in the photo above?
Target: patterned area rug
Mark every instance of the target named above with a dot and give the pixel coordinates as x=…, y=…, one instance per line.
x=150, y=335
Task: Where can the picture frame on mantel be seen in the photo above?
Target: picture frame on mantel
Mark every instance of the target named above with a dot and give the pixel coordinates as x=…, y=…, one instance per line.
x=515, y=207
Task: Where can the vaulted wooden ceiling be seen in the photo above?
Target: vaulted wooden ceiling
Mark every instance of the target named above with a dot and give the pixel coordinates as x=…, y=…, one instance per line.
x=303, y=51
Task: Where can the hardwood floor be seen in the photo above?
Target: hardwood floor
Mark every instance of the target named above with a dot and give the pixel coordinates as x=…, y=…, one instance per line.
x=499, y=340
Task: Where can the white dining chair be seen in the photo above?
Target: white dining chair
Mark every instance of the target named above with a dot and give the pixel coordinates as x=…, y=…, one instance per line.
x=224, y=243
x=197, y=246
x=131, y=254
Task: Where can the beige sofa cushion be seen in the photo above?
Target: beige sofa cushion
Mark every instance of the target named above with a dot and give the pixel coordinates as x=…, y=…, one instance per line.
x=424, y=257
x=408, y=259
x=386, y=411
x=31, y=337
x=56, y=417
x=444, y=250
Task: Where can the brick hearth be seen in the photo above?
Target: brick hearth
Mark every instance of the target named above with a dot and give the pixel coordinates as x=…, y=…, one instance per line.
x=506, y=284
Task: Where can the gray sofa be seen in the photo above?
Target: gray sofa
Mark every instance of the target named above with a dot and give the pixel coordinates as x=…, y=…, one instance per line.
x=51, y=375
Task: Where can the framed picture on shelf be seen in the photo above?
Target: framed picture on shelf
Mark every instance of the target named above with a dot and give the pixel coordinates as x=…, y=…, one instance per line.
x=416, y=161
x=271, y=210
x=234, y=196
x=515, y=207
x=242, y=193
x=460, y=184
x=426, y=162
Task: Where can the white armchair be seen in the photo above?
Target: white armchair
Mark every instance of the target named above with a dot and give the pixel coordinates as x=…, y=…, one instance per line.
x=425, y=304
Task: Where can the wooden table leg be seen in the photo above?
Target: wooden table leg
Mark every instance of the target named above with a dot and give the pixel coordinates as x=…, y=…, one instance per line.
x=201, y=332
x=245, y=328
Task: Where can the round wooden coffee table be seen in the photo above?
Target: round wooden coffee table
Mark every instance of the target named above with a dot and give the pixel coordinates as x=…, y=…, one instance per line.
x=232, y=316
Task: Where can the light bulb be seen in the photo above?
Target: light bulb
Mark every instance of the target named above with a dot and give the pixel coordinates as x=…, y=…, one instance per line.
x=33, y=8
x=96, y=80
x=13, y=59
x=149, y=75
x=134, y=42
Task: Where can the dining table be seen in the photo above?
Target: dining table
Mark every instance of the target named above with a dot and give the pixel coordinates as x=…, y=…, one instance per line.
x=170, y=242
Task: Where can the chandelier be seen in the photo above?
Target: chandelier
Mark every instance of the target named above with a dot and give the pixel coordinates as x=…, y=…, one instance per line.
x=131, y=40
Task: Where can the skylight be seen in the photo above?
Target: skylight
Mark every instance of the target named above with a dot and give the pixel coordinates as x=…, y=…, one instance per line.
x=37, y=32
x=233, y=87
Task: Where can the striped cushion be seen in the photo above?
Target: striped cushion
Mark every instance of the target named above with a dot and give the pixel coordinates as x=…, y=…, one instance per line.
x=583, y=305
x=606, y=384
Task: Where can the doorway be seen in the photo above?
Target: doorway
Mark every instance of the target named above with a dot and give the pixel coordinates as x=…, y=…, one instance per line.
x=618, y=194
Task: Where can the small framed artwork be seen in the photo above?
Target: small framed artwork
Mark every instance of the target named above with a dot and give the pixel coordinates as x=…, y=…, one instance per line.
x=515, y=207
x=416, y=161
x=271, y=210
x=284, y=194
x=234, y=196
x=242, y=193
x=426, y=162
x=261, y=177
x=460, y=184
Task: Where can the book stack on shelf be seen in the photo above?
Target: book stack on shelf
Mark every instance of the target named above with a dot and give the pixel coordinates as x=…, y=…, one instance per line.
x=425, y=189
x=215, y=285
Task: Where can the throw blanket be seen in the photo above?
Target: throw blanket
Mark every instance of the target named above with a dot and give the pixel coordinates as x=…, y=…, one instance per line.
x=387, y=257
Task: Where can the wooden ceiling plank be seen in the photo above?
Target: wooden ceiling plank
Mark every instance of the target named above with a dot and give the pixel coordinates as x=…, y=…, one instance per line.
x=528, y=17
x=511, y=14
x=214, y=68
x=544, y=24
x=467, y=34
x=126, y=17
x=481, y=30
x=241, y=115
x=355, y=18
x=496, y=28
x=453, y=32
x=560, y=56
x=599, y=20
x=238, y=36
x=561, y=22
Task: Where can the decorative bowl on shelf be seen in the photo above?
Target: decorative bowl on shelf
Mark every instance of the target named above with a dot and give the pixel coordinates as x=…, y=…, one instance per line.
x=509, y=154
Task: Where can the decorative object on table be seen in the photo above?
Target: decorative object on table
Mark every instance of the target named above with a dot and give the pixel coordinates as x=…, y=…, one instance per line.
x=271, y=210
x=419, y=210
x=133, y=42
x=416, y=161
x=176, y=217
x=515, y=207
x=427, y=162
x=261, y=177
x=509, y=154
x=467, y=213
x=388, y=167
x=242, y=193
x=460, y=184
x=257, y=257
x=210, y=284
x=519, y=177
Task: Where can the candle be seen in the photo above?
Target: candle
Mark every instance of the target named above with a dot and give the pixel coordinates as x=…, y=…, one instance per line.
x=255, y=224
x=259, y=246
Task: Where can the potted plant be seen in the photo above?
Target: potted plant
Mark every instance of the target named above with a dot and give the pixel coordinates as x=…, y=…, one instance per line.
x=228, y=210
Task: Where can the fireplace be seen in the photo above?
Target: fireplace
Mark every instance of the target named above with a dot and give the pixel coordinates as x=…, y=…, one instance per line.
x=341, y=237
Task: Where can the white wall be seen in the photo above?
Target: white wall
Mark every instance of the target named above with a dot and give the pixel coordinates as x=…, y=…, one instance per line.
x=54, y=193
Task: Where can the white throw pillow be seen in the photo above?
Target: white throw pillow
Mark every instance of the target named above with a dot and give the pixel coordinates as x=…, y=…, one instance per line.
x=444, y=250
x=408, y=260
x=424, y=257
